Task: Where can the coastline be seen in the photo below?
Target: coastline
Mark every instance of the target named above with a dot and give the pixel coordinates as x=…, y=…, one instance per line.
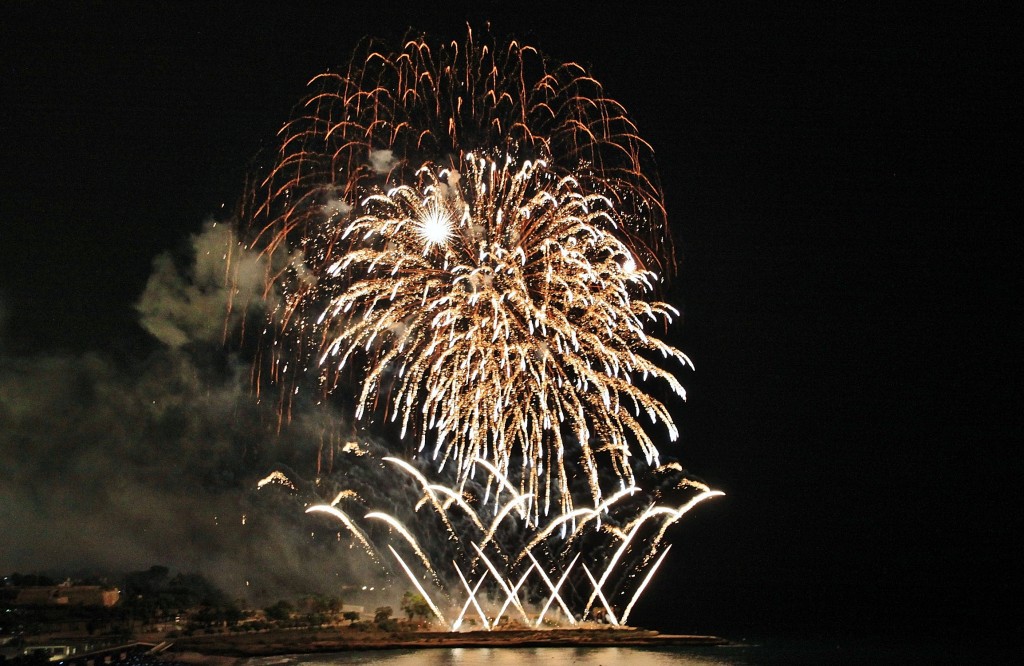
x=222, y=650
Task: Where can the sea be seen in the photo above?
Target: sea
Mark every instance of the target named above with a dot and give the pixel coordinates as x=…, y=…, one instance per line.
x=766, y=652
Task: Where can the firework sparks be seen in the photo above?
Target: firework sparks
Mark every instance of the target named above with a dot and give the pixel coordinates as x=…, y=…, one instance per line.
x=553, y=589
x=401, y=529
x=470, y=599
x=346, y=521
x=479, y=551
x=521, y=326
x=468, y=229
x=276, y=477
x=475, y=237
x=554, y=594
x=643, y=585
x=634, y=528
x=417, y=585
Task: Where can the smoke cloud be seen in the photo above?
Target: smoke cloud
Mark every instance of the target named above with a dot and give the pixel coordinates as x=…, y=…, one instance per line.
x=382, y=161
x=3, y=319
x=206, y=300
x=116, y=466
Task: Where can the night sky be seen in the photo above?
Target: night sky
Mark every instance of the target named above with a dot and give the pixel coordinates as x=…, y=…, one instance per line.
x=836, y=183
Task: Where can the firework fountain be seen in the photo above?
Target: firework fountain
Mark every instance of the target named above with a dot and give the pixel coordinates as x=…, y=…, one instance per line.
x=467, y=237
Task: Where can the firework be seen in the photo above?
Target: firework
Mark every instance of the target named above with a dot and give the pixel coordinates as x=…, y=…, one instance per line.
x=475, y=234
x=496, y=575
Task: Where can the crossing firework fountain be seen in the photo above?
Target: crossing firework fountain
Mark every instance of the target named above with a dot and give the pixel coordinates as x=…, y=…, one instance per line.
x=468, y=240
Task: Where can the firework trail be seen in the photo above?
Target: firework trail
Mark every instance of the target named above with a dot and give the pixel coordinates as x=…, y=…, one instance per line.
x=475, y=234
x=455, y=564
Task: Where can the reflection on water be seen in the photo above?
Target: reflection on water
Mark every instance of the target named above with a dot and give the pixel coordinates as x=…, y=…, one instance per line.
x=856, y=651
x=606, y=656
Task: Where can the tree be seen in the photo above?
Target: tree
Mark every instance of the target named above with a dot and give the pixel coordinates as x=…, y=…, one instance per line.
x=351, y=616
x=382, y=614
x=29, y=580
x=414, y=605
x=145, y=593
x=280, y=611
x=193, y=589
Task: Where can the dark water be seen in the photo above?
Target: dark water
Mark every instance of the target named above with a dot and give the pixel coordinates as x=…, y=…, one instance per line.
x=766, y=652
x=511, y=657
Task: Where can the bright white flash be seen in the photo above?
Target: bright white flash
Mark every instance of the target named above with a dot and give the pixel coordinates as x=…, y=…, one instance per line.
x=435, y=227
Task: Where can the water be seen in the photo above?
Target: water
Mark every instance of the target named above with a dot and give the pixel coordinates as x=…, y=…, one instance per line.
x=777, y=652
x=583, y=656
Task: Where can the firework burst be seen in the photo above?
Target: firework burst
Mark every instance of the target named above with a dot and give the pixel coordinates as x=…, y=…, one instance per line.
x=477, y=234
x=457, y=552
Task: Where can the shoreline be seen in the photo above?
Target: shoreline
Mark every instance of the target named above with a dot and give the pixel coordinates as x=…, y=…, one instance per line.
x=221, y=650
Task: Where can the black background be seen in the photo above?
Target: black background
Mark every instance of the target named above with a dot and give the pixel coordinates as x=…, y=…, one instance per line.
x=838, y=183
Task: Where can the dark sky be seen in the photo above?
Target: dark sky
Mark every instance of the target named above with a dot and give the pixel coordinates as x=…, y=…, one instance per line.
x=836, y=181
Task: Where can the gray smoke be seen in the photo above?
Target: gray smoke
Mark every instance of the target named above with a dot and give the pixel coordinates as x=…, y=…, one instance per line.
x=204, y=302
x=383, y=161
x=114, y=467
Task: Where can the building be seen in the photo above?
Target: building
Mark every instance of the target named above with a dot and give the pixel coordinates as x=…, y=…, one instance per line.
x=67, y=595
